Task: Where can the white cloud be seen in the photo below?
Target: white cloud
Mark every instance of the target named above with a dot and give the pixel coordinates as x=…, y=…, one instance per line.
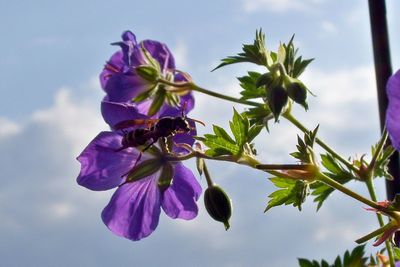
x=8, y=128
x=328, y=27
x=77, y=122
x=180, y=52
x=279, y=6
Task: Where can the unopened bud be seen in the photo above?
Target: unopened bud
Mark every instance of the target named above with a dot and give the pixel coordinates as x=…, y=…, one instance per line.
x=277, y=100
x=298, y=92
x=218, y=204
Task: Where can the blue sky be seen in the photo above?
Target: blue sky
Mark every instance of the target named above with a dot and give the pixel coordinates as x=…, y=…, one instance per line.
x=52, y=55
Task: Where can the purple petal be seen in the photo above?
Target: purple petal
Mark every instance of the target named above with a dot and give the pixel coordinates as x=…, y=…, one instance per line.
x=114, y=65
x=129, y=36
x=161, y=53
x=123, y=87
x=185, y=138
x=393, y=110
x=114, y=113
x=134, y=209
x=179, y=200
x=102, y=167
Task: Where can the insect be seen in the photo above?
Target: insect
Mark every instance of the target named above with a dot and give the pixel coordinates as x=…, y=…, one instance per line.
x=157, y=128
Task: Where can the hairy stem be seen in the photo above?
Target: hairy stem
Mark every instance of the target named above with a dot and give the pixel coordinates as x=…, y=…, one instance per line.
x=332, y=183
x=371, y=189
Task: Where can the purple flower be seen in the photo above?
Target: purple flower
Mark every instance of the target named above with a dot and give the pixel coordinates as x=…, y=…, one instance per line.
x=393, y=110
x=122, y=83
x=134, y=209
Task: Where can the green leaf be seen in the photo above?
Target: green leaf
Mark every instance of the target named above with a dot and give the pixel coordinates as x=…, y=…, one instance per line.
x=256, y=53
x=381, y=167
x=144, y=169
x=304, y=147
x=293, y=192
x=294, y=66
x=219, y=131
x=249, y=85
x=220, y=145
x=307, y=263
x=239, y=127
x=356, y=258
x=259, y=115
x=336, y=171
x=396, y=251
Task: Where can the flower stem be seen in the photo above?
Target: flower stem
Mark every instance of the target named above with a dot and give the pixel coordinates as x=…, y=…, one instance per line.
x=283, y=166
x=293, y=120
x=332, y=183
x=194, y=87
x=207, y=175
x=371, y=189
x=229, y=98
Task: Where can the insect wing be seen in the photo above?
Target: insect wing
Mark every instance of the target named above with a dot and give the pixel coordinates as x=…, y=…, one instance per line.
x=136, y=122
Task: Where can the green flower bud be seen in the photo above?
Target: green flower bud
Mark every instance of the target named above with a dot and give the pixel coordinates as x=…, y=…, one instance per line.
x=148, y=73
x=298, y=92
x=277, y=99
x=218, y=204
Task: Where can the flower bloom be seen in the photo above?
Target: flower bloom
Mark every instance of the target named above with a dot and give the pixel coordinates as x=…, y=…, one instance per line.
x=134, y=209
x=393, y=110
x=122, y=83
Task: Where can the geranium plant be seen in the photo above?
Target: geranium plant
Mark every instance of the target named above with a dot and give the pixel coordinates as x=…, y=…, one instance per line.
x=147, y=106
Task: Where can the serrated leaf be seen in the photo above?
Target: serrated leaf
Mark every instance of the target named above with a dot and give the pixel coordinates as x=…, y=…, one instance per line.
x=293, y=192
x=249, y=85
x=354, y=259
x=239, y=127
x=219, y=131
x=306, y=263
x=336, y=172
x=259, y=115
x=216, y=142
x=255, y=53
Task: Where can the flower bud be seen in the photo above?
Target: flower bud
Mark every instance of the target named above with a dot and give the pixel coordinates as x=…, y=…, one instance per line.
x=148, y=73
x=277, y=99
x=298, y=92
x=218, y=204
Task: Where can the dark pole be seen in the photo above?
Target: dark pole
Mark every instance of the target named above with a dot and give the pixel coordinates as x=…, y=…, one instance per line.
x=383, y=70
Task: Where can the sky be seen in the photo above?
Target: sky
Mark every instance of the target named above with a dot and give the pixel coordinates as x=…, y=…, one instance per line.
x=53, y=52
